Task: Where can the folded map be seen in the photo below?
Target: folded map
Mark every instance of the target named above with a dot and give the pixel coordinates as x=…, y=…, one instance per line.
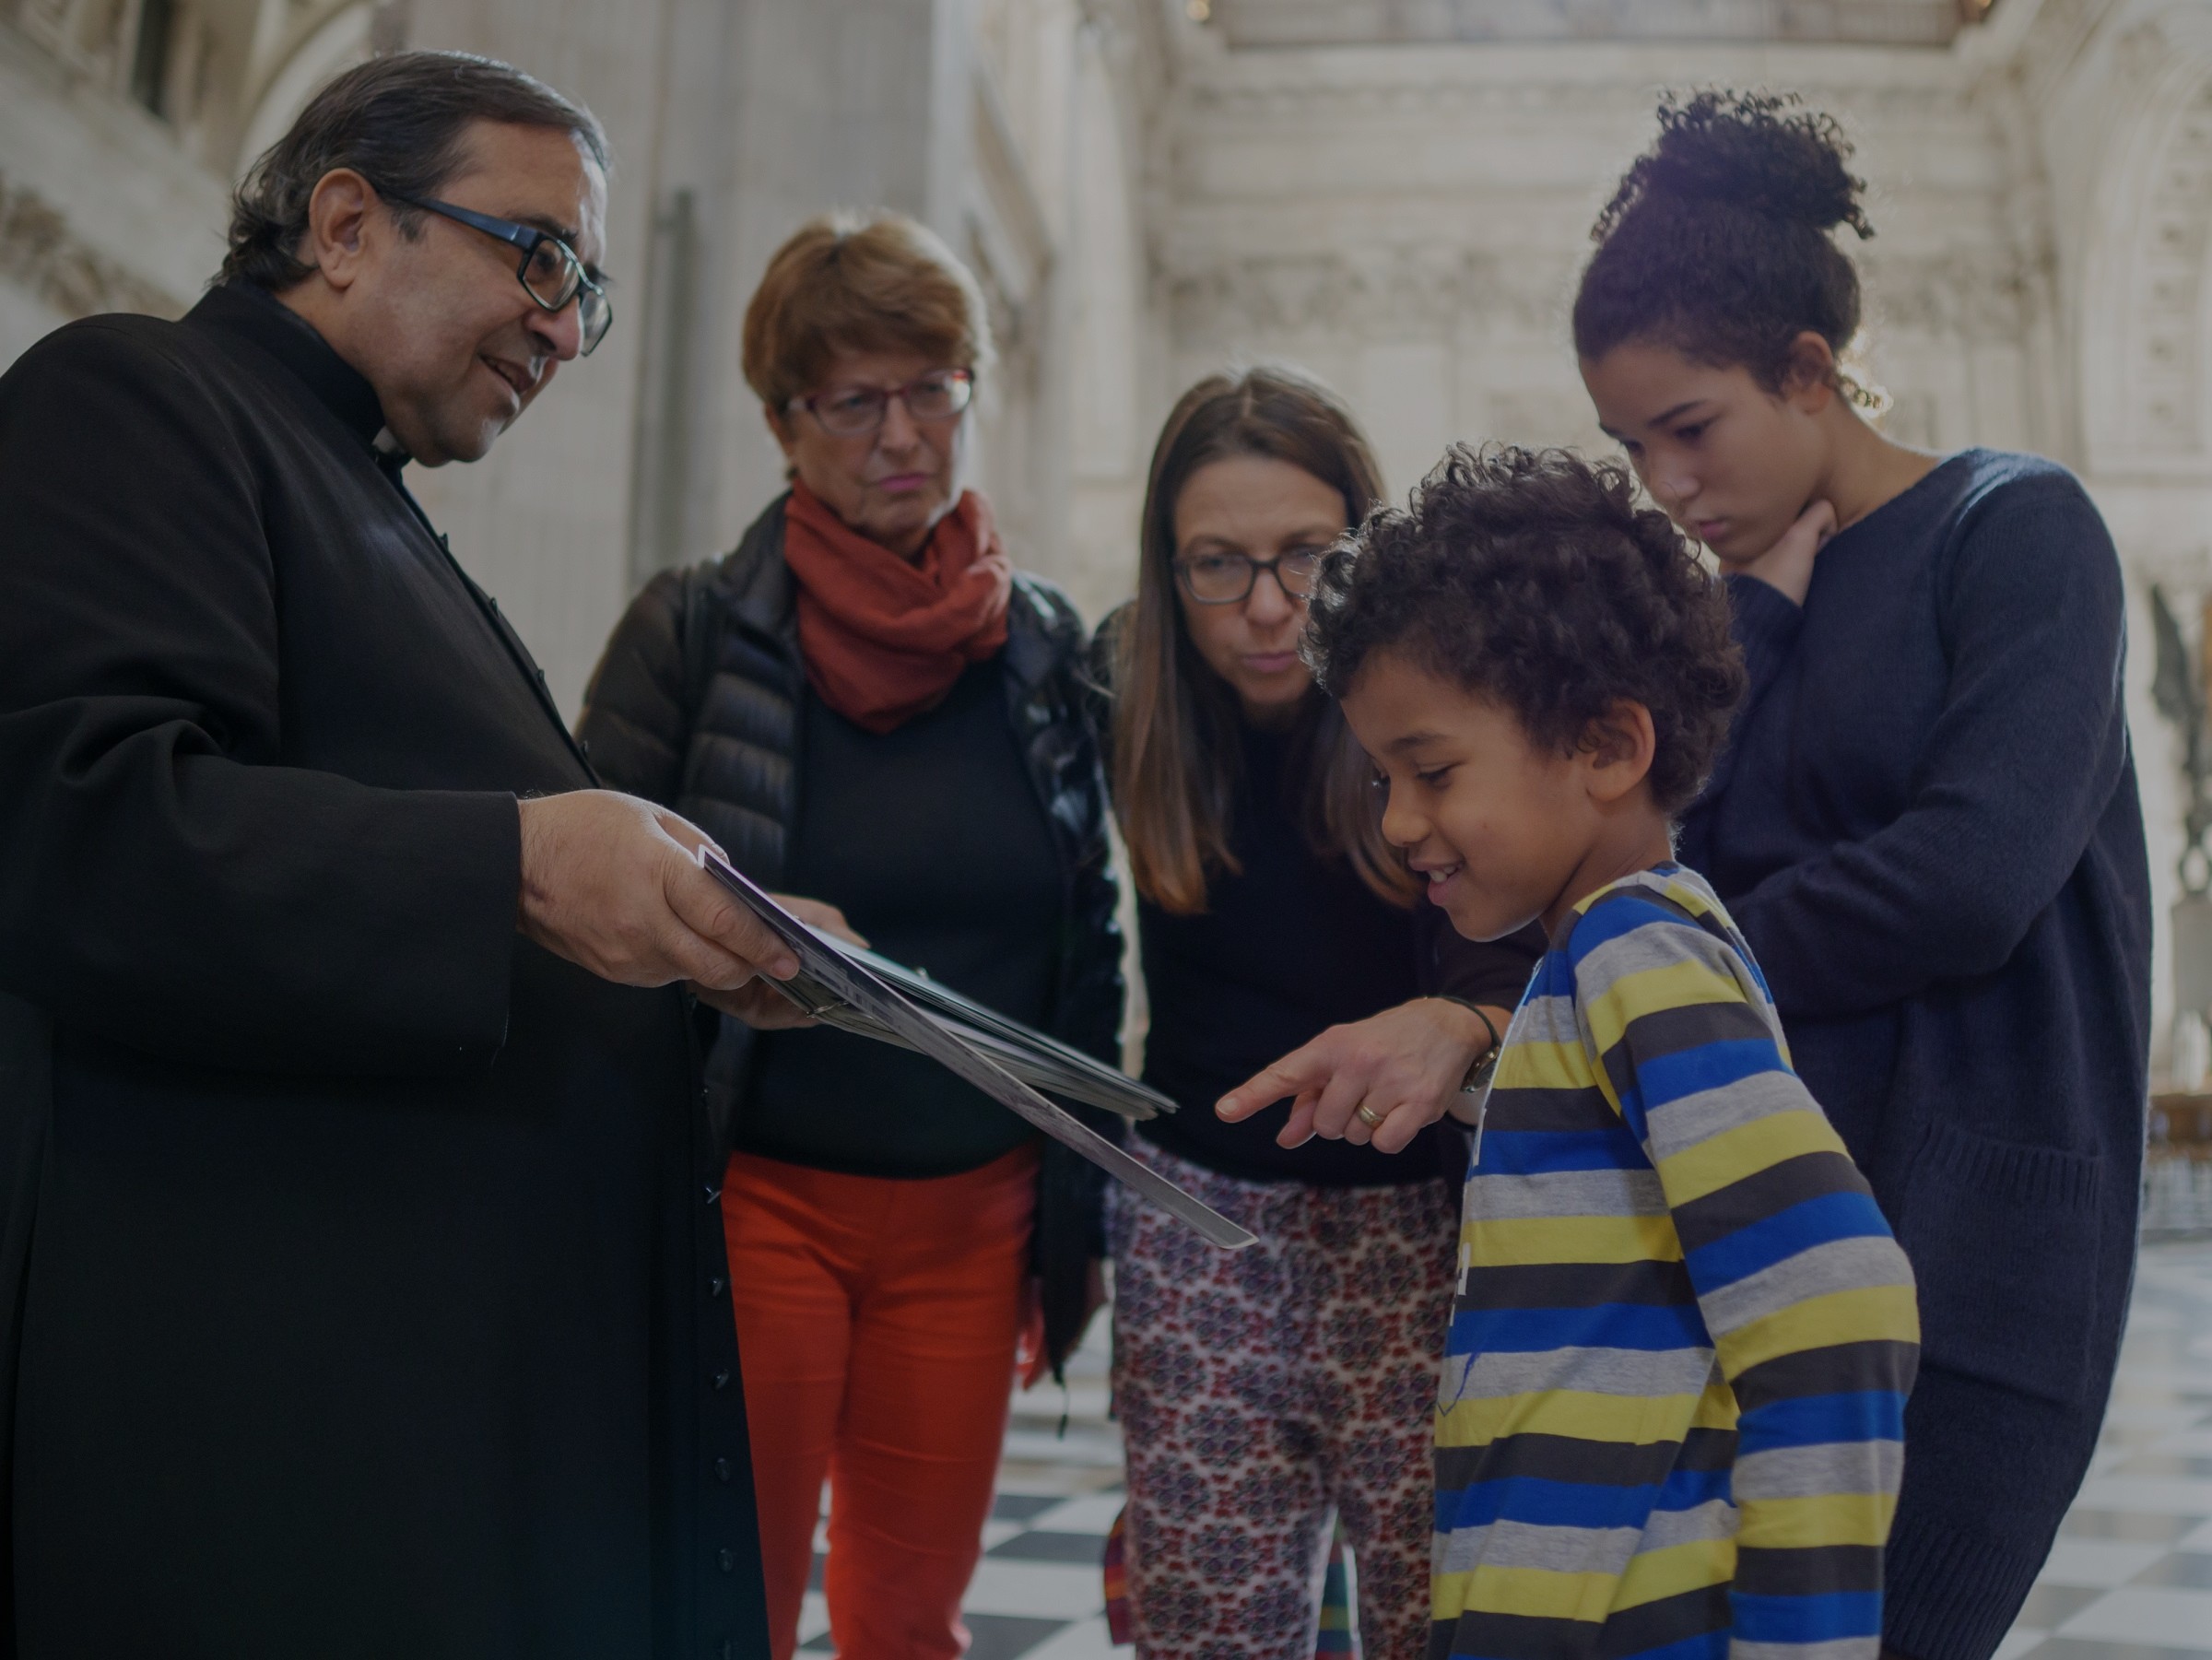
x=860, y=992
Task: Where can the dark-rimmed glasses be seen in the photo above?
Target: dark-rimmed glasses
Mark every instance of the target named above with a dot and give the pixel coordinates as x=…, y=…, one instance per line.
x=851, y=411
x=550, y=273
x=1228, y=578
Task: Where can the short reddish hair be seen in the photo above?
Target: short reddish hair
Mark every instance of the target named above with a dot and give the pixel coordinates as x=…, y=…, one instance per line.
x=859, y=282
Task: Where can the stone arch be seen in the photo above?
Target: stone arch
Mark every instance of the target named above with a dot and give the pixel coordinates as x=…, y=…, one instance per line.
x=324, y=47
x=2145, y=327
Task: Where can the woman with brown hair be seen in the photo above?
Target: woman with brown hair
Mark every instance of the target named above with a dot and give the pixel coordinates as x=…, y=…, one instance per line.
x=865, y=702
x=1263, y=1390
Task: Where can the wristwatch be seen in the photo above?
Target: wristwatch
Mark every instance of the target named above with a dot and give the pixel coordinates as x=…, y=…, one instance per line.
x=1478, y=1076
x=1478, y=1072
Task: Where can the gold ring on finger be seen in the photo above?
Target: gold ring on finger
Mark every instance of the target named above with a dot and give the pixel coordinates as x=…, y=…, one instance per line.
x=1369, y=1117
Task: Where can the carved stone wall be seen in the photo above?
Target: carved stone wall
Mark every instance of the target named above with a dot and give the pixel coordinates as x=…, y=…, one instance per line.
x=2148, y=402
x=1279, y=23
x=211, y=72
x=1393, y=193
x=41, y=253
x=1410, y=220
x=98, y=209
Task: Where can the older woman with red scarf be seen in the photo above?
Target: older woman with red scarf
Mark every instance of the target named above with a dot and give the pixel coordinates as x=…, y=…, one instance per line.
x=866, y=704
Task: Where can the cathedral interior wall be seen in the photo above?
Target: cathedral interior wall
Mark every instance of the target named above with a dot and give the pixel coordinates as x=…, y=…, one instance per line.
x=1145, y=197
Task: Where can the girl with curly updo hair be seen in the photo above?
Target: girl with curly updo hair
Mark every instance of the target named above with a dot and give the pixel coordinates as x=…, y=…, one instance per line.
x=1926, y=821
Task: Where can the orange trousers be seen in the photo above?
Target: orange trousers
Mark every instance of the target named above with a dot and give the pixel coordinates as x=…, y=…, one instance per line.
x=876, y=1323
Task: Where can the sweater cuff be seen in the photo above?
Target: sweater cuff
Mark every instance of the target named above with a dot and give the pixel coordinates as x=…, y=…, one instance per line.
x=1765, y=622
x=1951, y=1596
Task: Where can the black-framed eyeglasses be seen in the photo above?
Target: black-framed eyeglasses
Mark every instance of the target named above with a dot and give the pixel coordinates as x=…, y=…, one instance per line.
x=550, y=272
x=850, y=411
x=1228, y=578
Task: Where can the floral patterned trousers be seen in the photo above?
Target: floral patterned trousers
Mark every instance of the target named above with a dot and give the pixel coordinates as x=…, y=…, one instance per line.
x=1260, y=1390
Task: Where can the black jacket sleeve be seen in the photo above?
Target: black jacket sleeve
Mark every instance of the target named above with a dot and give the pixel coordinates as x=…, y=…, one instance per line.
x=165, y=880
x=1088, y=1012
x=1492, y=972
x=635, y=722
x=1070, y=1229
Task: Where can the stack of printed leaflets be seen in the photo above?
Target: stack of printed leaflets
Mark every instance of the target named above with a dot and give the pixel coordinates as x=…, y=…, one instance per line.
x=841, y=985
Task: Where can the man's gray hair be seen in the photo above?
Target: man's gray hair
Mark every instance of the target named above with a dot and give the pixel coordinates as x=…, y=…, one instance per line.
x=397, y=121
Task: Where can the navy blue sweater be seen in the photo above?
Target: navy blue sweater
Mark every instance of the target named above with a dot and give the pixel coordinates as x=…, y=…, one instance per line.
x=1926, y=825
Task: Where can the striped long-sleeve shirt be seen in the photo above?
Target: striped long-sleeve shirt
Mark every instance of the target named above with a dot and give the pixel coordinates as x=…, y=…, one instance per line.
x=1671, y=1415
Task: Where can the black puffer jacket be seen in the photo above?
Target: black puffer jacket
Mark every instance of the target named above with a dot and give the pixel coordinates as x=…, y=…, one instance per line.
x=696, y=705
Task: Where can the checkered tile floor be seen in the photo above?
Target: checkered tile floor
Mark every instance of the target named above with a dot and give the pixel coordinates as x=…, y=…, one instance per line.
x=2130, y=1578
x=1039, y=1594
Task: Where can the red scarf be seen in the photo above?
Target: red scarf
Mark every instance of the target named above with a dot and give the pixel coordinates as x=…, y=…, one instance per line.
x=885, y=639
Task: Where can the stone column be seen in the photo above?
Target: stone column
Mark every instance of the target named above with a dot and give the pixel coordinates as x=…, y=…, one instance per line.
x=544, y=521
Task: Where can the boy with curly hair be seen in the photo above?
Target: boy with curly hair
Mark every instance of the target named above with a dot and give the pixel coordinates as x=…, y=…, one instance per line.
x=1670, y=1417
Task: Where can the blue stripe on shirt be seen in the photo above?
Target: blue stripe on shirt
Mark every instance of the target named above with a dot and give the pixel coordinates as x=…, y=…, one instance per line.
x=1533, y=1152
x=1819, y=1220
x=1631, y=1325
x=1821, y=1420
x=1623, y=913
x=1820, y=1619
x=1543, y=1503
x=1714, y=1065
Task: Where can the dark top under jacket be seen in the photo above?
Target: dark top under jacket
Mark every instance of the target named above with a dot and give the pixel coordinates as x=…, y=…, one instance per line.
x=363, y=1298
x=1927, y=826
x=1291, y=945
x=698, y=704
x=933, y=843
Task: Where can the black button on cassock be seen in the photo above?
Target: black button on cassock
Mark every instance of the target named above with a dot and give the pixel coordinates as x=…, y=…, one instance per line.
x=722, y=1380
x=728, y=1560
x=714, y=1286
x=721, y=1469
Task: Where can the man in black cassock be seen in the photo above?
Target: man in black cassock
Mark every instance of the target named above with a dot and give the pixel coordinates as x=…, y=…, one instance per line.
x=362, y=1280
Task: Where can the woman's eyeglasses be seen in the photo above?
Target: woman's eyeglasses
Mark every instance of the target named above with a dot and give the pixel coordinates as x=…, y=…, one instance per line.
x=851, y=411
x=550, y=272
x=1227, y=579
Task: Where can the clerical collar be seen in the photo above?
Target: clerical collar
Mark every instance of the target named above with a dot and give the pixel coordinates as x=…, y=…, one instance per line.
x=253, y=312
